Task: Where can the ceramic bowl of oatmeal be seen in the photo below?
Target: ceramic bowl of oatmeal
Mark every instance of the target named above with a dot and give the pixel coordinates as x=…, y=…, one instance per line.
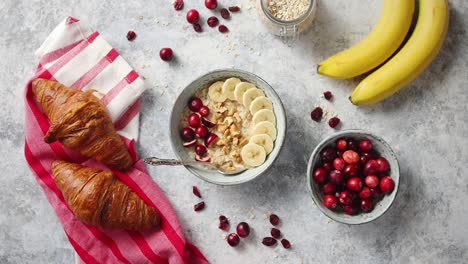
x=231, y=119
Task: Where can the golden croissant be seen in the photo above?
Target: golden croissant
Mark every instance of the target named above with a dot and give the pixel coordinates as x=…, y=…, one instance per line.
x=80, y=121
x=98, y=198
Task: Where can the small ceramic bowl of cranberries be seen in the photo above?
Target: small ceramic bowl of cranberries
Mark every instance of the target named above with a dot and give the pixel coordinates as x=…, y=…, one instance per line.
x=353, y=176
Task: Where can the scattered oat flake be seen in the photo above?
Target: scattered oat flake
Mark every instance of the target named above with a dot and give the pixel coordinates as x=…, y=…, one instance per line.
x=140, y=17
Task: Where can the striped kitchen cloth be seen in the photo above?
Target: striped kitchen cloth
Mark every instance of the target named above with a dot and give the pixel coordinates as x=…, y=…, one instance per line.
x=76, y=56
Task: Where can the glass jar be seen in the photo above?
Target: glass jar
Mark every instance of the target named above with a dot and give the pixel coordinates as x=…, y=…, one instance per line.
x=286, y=28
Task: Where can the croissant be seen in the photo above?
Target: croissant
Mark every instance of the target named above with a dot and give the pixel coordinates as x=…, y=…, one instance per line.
x=98, y=198
x=80, y=121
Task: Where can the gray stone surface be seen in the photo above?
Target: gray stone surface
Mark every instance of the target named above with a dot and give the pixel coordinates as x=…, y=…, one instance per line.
x=426, y=124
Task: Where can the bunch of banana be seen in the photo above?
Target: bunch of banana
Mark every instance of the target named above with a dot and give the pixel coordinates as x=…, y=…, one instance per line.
x=417, y=53
x=263, y=119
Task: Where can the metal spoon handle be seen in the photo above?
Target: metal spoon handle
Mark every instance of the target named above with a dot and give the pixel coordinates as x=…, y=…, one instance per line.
x=166, y=162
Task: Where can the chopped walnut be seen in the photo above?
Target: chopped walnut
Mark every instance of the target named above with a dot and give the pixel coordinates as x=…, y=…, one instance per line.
x=235, y=141
x=235, y=130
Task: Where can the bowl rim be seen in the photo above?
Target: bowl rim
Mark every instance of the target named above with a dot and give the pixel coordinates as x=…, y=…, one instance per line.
x=395, y=171
x=281, y=144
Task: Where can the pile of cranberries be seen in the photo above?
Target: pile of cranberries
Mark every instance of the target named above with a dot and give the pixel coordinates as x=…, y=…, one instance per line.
x=242, y=230
x=198, y=131
x=352, y=176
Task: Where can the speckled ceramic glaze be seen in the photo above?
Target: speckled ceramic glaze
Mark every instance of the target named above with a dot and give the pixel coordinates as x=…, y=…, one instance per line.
x=203, y=81
x=379, y=208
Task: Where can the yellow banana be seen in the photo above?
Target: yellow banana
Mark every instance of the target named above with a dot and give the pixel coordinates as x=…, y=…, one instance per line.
x=377, y=47
x=420, y=50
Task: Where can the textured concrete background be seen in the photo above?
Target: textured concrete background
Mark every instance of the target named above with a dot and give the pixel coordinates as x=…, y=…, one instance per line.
x=426, y=124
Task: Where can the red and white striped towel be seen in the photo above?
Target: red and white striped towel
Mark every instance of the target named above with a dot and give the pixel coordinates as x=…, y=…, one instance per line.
x=78, y=57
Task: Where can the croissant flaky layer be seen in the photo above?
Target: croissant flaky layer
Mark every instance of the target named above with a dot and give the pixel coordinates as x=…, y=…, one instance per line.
x=99, y=198
x=80, y=121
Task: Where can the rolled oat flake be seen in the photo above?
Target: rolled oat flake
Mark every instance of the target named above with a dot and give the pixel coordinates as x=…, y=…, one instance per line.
x=288, y=9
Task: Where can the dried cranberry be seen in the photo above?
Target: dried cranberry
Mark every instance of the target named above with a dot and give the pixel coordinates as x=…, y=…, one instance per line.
x=243, y=229
x=166, y=54
x=212, y=21
x=131, y=35
x=328, y=154
x=274, y=219
x=268, y=241
x=328, y=95
x=223, y=29
x=334, y=122
x=197, y=27
x=234, y=8
x=276, y=233
x=196, y=192
x=193, y=16
x=199, y=206
x=223, y=223
x=233, y=239
x=286, y=244
x=225, y=13
x=178, y=5
x=317, y=114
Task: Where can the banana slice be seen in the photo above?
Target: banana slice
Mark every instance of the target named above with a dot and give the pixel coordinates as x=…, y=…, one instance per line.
x=229, y=86
x=264, y=115
x=215, y=92
x=253, y=155
x=260, y=103
x=240, y=90
x=263, y=140
x=265, y=127
x=250, y=95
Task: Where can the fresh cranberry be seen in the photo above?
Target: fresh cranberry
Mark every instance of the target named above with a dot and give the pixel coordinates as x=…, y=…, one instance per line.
x=372, y=181
x=199, y=206
x=234, y=8
x=196, y=192
x=328, y=95
x=345, y=197
x=350, y=171
x=211, y=4
x=342, y=144
x=208, y=123
x=320, y=175
x=200, y=150
x=328, y=154
x=328, y=188
x=365, y=157
x=317, y=114
x=371, y=168
x=131, y=35
x=187, y=134
x=339, y=153
x=166, y=54
x=334, y=122
x=274, y=219
x=243, y=229
x=201, y=131
x=328, y=166
x=365, y=192
x=276, y=233
x=225, y=13
x=268, y=241
x=366, y=205
x=336, y=177
x=354, y=184
x=210, y=139
x=204, y=111
x=223, y=223
x=376, y=193
x=351, y=157
x=192, y=16
x=352, y=145
x=178, y=5
x=286, y=244
x=339, y=164
x=195, y=104
x=350, y=209
x=383, y=164
x=222, y=29
x=212, y=21
x=387, y=184
x=197, y=27
x=365, y=145
x=194, y=120
x=330, y=201
x=233, y=239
